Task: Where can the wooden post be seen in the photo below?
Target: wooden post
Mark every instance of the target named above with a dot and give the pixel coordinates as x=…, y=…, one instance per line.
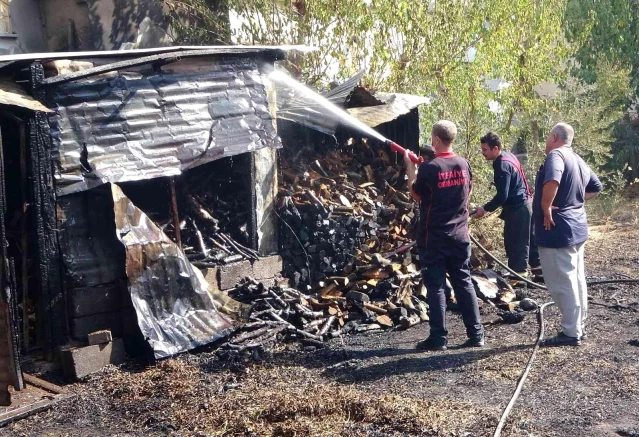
x=23, y=235
x=174, y=213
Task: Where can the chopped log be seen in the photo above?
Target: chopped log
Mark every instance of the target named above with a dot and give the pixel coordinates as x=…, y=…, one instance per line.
x=368, y=328
x=408, y=322
x=327, y=325
x=369, y=173
x=345, y=201
x=375, y=308
x=311, y=196
x=384, y=321
x=340, y=281
x=357, y=297
x=507, y=296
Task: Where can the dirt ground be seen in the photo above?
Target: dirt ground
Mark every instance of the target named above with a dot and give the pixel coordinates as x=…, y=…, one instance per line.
x=379, y=385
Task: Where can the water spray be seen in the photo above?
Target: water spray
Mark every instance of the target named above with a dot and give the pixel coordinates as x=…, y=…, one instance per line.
x=338, y=113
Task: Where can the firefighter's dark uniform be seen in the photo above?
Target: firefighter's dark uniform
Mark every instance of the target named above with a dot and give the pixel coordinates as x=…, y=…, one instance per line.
x=515, y=199
x=444, y=186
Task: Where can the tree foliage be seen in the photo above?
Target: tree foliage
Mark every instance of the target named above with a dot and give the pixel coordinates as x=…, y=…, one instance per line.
x=607, y=34
x=448, y=50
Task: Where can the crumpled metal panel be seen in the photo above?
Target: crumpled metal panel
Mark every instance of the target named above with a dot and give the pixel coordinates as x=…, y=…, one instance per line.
x=175, y=309
x=485, y=288
x=136, y=126
x=394, y=106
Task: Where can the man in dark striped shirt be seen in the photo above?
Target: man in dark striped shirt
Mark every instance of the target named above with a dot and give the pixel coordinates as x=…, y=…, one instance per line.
x=515, y=199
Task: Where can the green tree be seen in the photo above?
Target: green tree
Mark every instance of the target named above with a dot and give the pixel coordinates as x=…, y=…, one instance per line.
x=608, y=32
x=444, y=49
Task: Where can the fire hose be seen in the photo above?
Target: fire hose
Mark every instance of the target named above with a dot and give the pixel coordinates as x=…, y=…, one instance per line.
x=540, y=331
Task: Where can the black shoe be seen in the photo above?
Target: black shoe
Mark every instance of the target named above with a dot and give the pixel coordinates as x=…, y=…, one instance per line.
x=474, y=342
x=561, y=339
x=537, y=274
x=433, y=344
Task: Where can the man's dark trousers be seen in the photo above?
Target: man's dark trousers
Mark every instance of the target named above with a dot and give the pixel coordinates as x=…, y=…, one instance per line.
x=435, y=262
x=517, y=235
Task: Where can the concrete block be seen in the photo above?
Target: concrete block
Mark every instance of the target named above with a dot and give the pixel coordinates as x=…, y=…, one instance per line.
x=211, y=276
x=265, y=268
x=100, y=337
x=82, y=361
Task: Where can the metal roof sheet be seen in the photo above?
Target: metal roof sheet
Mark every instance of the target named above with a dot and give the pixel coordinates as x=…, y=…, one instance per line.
x=132, y=126
x=145, y=52
x=395, y=105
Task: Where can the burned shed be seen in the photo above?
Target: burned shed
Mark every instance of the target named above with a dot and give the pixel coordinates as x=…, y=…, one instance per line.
x=149, y=163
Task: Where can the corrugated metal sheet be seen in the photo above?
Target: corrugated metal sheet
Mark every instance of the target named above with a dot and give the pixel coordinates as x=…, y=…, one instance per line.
x=176, y=311
x=135, y=126
x=395, y=105
x=305, y=111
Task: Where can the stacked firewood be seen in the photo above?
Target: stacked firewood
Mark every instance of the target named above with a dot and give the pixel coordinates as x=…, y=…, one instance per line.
x=282, y=314
x=345, y=214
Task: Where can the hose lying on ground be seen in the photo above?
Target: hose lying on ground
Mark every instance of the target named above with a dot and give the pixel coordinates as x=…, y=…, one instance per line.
x=542, y=287
x=524, y=375
x=494, y=258
x=540, y=332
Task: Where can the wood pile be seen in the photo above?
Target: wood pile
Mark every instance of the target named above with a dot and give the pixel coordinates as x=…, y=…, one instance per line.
x=347, y=240
x=215, y=209
x=345, y=216
x=286, y=314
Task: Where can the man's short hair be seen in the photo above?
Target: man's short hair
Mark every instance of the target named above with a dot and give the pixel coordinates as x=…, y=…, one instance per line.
x=492, y=139
x=565, y=132
x=446, y=131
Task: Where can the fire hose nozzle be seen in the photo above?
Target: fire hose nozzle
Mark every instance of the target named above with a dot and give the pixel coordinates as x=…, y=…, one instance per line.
x=399, y=149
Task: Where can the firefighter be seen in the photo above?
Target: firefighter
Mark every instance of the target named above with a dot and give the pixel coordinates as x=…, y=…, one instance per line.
x=443, y=186
x=515, y=199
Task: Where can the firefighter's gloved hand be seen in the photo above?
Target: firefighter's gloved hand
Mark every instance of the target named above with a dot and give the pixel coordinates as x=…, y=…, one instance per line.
x=479, y=212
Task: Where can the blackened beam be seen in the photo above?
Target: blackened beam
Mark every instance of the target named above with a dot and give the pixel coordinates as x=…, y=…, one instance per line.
x=161, y=59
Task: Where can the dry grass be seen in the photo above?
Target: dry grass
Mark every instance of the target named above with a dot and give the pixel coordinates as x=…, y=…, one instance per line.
x=283, y=401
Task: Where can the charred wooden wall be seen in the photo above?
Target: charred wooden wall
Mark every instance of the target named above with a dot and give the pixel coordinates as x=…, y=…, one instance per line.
x=94, y=265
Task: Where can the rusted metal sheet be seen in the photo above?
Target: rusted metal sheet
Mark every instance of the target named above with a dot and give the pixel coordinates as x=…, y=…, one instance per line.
x=136, y=125
x=394, y=106
x=176, y=310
